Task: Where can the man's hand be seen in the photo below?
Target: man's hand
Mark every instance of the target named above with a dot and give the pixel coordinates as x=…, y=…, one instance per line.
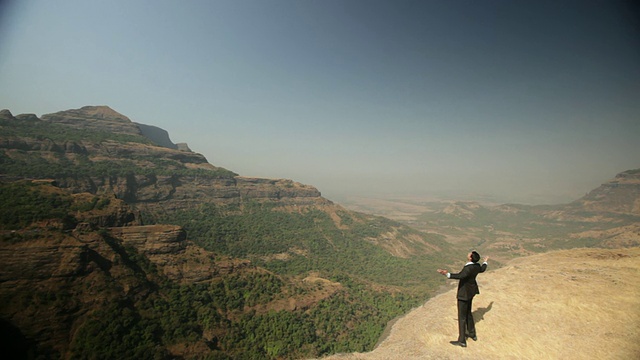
x=486, y=259
x=443, y=272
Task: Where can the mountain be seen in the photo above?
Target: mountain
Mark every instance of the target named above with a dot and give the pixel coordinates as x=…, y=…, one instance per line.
x=618, y=195
x=571, y=304
x=116, y=246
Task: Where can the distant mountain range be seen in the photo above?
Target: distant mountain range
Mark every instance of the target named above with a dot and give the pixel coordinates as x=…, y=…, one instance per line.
x=608, y=216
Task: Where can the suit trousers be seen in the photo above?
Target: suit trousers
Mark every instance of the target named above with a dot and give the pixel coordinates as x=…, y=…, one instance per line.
x=465, y=320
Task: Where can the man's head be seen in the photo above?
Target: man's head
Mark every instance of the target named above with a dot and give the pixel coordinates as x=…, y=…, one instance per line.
x=473, y=257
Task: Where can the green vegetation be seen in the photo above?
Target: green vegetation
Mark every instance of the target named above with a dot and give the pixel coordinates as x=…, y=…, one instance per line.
x=351, y=320
x=95, y=203
x=260, y=230
x=348, y=318
x=34, y=166
x=118, y=332
x=22, y=204
x=334, y=325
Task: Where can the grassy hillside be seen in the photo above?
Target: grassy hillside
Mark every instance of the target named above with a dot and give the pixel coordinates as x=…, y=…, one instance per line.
x=573, y=304
x=295, y=243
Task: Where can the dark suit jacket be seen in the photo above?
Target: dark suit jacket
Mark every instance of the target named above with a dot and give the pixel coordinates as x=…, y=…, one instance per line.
x=468, y=287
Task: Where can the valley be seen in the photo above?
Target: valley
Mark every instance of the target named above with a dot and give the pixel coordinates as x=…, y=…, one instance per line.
x=117, y=243
x=609, y=216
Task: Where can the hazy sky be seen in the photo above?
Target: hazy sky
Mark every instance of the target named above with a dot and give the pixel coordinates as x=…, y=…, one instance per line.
x=533, y=101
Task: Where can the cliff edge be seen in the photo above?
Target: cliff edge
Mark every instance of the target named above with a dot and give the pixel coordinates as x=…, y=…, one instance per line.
x=573, y=304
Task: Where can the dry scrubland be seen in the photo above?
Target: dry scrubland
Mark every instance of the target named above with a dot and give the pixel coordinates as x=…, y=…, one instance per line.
x=574, y=304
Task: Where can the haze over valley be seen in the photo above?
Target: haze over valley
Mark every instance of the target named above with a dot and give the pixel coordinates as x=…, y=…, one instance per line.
x=132, y=249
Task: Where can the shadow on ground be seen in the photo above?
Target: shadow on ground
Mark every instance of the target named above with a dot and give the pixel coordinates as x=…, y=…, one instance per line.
x=478, y=315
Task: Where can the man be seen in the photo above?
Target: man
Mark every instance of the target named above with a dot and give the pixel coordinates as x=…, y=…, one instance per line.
x=467, y=289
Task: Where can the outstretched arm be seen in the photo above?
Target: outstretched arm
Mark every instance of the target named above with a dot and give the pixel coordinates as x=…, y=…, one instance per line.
x=466, y=272
x=483, y=267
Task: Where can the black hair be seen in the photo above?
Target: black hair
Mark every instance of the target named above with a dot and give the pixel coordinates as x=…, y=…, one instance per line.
x=475, y=257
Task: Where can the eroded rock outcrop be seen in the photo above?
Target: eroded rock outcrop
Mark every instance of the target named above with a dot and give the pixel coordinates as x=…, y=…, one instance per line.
x=153, y=239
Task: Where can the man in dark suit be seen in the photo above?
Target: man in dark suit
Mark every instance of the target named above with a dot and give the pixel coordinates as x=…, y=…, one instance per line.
x=467, y=289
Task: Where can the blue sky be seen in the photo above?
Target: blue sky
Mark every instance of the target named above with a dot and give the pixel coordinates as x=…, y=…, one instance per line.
x=525, y=101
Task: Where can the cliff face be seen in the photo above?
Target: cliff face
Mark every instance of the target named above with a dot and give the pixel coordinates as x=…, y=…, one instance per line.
x=174, y=192
x=51, y=278
x=179, y=260
x=54, y=276
x=157, y=135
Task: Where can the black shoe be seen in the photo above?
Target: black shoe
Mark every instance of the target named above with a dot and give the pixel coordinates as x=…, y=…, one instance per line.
x=474, y=338
x=458, y=343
